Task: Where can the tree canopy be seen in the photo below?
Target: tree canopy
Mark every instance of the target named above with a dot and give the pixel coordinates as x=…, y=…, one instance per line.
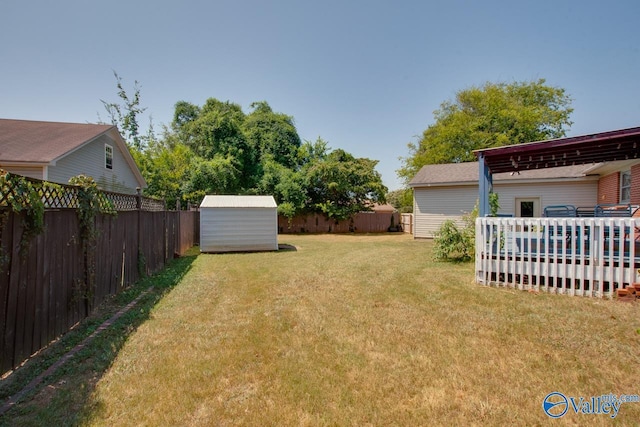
x=492, y=115
x=341, y=185
x=218, y=149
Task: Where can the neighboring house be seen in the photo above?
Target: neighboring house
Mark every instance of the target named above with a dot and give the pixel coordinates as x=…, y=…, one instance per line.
x=55, y=152
x=448, y=191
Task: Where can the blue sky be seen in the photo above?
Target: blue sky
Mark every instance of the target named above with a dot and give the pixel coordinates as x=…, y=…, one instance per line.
x=365, y=76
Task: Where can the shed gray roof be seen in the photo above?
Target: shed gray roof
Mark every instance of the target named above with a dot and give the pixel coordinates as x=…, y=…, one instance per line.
x=467, y=173
x=230, y=201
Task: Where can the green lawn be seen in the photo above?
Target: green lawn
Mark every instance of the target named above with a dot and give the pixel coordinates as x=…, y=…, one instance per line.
x=359, y=330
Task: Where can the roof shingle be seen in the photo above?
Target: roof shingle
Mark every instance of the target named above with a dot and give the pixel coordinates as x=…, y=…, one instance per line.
x=43, y=142
x=467, y=173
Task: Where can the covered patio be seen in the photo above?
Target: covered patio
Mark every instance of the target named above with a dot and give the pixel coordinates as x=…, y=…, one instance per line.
x=593, y=254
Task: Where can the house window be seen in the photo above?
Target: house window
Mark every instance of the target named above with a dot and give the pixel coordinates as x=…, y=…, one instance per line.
x=625, y=187
x=108, y=156
x=528, y=207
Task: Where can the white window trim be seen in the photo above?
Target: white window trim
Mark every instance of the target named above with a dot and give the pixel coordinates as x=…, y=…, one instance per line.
x=108, y=148
x=622, y=175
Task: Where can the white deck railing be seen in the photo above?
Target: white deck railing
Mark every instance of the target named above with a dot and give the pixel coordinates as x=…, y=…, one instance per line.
x=575, y=256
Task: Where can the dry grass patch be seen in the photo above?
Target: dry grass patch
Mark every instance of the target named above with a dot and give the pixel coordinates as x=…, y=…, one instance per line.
x=363, y=330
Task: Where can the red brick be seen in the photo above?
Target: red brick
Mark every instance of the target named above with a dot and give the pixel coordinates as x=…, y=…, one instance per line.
x=609, y=188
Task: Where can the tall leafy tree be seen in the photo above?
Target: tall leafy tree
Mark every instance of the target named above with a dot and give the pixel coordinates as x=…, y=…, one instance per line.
x=401, y=199
x=341, y=185
x=214, y=133
x=218, y=175
x=166, y=167
x=272, y=134
x=286, y=185
x=492, y=115
x=125, y=115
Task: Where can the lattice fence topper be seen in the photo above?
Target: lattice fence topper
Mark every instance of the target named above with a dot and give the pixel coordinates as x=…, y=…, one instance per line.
x=63, y=196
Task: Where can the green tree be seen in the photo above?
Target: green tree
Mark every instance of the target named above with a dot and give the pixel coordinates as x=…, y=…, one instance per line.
x=286, y=185
x=125, y=115
x=219, y=175
x=214, y=133
x=401, y=199
x=166, y=167
x=272, y=134
x=340, y=185
x=493, y=115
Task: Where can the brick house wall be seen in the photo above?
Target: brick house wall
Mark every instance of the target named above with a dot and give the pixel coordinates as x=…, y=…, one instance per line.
x=635, y=185
x=609, y=188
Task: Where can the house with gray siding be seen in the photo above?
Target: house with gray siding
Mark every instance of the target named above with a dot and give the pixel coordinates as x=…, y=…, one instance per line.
x=448, y=191
x=55, y=152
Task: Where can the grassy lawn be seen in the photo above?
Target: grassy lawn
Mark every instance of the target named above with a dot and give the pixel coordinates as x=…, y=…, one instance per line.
x=359, y=330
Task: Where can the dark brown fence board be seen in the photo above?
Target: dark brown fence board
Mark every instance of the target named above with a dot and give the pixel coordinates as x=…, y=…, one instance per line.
x=43, y=298
x=365, y=222
x=43, y=293
x=6, y=245
x=30, y=293
x=13, y=308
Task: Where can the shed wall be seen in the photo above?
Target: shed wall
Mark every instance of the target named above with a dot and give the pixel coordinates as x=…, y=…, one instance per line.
x=238, y=229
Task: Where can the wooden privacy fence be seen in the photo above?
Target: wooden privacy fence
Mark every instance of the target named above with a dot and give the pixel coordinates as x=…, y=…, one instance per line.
x=56, y=279
x=406, y=219
x=364, y=222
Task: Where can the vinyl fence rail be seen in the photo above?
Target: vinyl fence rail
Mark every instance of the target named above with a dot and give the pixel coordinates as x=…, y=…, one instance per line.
x=575, y=256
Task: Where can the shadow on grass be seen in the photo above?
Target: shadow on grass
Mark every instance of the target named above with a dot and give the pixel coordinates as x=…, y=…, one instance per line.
x=286, y=247
x=61, y=398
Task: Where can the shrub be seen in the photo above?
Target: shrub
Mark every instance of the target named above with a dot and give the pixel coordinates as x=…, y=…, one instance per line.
x=453, y=242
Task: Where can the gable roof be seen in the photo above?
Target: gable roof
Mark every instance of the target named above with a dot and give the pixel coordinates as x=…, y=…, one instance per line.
x=468, y=173
x=231, y=201
x=43, y=143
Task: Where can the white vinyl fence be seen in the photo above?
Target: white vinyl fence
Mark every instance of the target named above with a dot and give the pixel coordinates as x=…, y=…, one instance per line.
x=575, y=256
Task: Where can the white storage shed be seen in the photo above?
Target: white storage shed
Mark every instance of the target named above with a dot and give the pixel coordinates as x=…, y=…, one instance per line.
x=238, y=224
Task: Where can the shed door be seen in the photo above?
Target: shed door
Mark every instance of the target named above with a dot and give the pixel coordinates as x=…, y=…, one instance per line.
x=528, y=207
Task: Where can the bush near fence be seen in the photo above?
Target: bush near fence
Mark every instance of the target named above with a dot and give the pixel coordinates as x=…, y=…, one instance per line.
x=364, y=222
x=44, y=290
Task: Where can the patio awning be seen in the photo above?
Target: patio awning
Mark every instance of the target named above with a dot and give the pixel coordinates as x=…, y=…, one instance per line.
x=609, y=146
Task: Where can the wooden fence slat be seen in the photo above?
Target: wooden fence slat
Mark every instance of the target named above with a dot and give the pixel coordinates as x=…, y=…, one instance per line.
x=5, y=263
x=43, y=293
x=365, y=222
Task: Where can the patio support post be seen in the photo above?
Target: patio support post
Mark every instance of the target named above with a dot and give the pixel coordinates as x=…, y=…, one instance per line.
x=484, y=188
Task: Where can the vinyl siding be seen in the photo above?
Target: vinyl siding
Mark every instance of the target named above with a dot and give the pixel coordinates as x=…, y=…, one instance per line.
x=238, y=229
x=90, y=160
x=561, y=193
x=434, y=205
x=30, y=171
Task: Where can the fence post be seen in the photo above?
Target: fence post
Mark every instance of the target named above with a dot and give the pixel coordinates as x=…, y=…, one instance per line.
x=139, y=231
x=138, y=198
